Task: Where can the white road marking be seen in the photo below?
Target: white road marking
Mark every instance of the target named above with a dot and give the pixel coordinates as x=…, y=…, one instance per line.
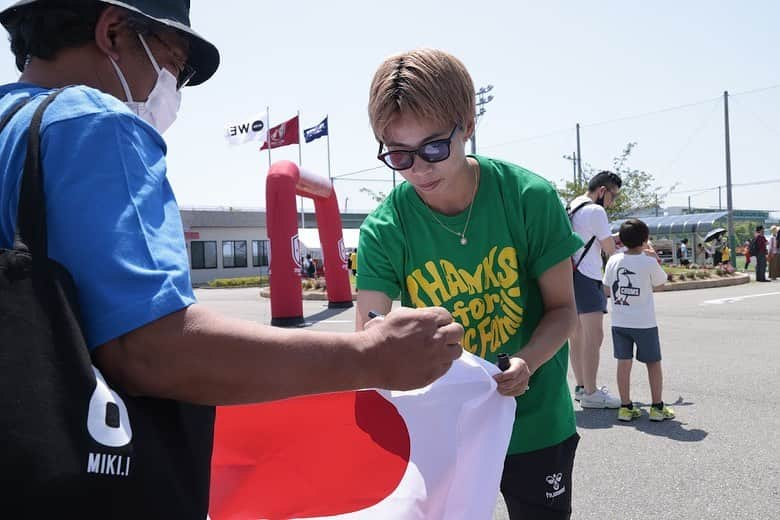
x=736, y=299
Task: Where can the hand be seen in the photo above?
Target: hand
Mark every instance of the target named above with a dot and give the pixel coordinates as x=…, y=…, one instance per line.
x=514, y=381
x=411, y=348
x=649, y=251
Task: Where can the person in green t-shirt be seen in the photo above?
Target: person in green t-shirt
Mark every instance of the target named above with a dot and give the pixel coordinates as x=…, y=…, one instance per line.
x=487, y=240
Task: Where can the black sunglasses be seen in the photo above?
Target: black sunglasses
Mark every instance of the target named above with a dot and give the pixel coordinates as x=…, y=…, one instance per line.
x=432, y=152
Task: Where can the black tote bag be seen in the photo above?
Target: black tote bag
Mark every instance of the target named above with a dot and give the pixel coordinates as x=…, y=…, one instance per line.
x=70, y=445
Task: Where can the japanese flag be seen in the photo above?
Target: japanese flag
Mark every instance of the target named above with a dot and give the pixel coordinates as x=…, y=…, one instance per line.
x=432, y=453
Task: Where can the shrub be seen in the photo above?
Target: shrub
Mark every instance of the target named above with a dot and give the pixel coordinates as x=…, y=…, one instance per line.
x=248, y=281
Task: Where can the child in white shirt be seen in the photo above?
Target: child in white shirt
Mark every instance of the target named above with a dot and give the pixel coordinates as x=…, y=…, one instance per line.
x=630, y=278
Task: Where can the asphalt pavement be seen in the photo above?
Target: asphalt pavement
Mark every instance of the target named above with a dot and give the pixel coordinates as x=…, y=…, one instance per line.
x=716, y=460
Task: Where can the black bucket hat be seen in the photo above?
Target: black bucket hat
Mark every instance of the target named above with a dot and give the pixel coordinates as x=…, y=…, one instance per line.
x=204, y=56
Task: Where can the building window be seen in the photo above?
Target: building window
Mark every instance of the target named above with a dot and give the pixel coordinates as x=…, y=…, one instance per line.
x=234, y=253
x=204, y=255
x=260, y=253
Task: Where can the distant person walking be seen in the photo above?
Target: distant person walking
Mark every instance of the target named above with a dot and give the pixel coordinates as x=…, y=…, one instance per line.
x=759, y=249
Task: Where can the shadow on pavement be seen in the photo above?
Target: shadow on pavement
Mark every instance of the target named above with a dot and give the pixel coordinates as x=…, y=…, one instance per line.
x=326, y=314
x=592, y=419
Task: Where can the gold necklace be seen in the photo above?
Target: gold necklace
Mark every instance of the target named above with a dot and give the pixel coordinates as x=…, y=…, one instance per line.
x=462, y=234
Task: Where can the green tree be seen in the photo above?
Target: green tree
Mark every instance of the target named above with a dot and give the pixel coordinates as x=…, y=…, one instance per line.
x=639, y=191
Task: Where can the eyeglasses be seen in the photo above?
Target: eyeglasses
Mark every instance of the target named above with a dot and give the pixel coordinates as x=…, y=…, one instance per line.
x=432, y=152
x=186, y=72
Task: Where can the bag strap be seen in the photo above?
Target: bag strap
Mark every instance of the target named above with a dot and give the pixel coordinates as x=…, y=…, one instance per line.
x=11, y=113
x=592, y=239
x=30, y=234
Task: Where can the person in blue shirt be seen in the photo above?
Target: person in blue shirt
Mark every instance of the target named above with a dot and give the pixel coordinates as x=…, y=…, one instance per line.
x=114, y=223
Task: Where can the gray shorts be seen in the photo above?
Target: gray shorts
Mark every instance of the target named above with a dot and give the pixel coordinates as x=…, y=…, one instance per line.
x=648, y=345
x=589, y=294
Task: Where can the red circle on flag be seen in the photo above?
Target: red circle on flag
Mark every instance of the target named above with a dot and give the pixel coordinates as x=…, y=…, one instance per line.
x=306, y=457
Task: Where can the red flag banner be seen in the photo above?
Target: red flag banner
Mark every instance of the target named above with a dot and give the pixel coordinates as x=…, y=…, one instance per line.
x=283, y=134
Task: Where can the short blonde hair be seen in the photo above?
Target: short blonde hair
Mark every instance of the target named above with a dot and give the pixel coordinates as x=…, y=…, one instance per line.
x=427, y=83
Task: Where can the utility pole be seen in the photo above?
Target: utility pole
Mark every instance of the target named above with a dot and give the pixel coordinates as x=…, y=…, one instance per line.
x=689, y=205
x=483, y=98
x=656, y=204
x=579, y=158
x=573, y=159
x=720, y=200
x=729, y=198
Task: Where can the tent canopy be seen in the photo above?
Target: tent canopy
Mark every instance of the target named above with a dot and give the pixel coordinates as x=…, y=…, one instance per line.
x=310, y=238
x=674, y=224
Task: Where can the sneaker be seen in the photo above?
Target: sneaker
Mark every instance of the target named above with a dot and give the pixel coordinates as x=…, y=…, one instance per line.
x=601, y=398
x=628, y=414
x=578, y=392
x=662, y=414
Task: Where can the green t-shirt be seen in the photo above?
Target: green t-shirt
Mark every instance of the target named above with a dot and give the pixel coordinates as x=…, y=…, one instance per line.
x=518, y=230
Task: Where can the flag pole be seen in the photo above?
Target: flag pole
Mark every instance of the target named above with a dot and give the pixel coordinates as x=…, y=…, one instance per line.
x=300, y=163
x=328, y=138
x=268, y=134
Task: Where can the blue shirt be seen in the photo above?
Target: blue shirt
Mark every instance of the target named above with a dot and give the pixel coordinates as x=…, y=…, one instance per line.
x=112, y=218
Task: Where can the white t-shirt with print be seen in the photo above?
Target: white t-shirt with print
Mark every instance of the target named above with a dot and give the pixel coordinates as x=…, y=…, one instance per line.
x=589, y=221
x=630, y=279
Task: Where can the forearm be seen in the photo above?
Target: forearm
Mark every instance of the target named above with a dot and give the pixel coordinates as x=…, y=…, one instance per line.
x=201, y=357
x=553, y=330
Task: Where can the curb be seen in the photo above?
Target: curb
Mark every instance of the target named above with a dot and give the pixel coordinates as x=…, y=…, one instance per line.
x=737, y=279
x=265, y=292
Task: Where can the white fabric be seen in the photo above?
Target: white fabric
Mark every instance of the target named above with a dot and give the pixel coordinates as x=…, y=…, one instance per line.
x=773, y=245
x=459, y=428
x=631, y=279
x=590, y=221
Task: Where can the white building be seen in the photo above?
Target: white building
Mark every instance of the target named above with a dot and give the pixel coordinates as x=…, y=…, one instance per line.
x=233, y=243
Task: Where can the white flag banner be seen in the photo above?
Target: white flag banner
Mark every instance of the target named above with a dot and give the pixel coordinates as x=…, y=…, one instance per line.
x=246, y=131
x=433, y=453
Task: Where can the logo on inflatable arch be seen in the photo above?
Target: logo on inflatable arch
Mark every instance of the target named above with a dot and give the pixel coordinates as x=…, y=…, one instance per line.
x=295, y=247
x=343, y=255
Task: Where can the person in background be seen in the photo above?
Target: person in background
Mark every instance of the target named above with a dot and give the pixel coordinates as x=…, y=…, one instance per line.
x=701, y=255
x=353, y=261
x=725, y=253
x=774, y=257
x=630, y=278
x=759, y=248
x=589, y=220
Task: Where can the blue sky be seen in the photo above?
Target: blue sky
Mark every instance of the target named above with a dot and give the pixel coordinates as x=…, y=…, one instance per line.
x=552, y=63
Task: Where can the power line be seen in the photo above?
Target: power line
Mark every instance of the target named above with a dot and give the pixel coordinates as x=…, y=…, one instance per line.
x=358, y=171
x=531, y=138
x=654, y=112
x=363, y=180
x=758, y=118
x=600, y=123
x=715, y=188
x=755, y=91
x=705, y=120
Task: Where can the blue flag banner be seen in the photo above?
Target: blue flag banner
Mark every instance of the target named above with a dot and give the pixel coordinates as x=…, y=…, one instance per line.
x=315, y=132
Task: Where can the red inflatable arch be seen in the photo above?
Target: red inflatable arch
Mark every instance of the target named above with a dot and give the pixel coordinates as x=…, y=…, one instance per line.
x=286, y=181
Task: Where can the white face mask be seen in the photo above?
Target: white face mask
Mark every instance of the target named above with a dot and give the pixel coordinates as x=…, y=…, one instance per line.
x=162, y=105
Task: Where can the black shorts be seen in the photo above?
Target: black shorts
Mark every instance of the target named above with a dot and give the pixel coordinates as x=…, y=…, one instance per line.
x=537, y=485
